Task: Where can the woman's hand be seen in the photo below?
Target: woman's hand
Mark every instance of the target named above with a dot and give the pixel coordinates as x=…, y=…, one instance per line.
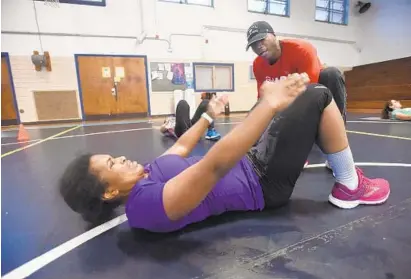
x=280, y=94
x=216, y=105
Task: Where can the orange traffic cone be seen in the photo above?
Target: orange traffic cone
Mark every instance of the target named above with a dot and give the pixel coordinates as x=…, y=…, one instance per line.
x=22, y=135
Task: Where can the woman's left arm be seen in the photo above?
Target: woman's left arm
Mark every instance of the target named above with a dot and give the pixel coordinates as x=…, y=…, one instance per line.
x=401, y=116
x=186, y=143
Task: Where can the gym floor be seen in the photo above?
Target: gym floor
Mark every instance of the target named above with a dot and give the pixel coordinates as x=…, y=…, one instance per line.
x=308, y=238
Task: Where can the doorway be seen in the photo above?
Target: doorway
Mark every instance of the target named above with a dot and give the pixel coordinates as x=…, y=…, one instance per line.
x=9, y=115
x=112, y=86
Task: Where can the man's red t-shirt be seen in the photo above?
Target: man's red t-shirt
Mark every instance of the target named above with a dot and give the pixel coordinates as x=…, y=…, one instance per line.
x=297, y=56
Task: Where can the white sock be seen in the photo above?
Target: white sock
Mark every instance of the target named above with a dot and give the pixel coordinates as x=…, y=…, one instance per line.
x=342, y=164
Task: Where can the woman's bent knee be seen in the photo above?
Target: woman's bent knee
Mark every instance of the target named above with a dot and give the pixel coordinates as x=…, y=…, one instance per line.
x=319, y=94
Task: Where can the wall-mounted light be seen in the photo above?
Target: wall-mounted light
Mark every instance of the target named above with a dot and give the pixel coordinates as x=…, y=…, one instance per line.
x=41, y=60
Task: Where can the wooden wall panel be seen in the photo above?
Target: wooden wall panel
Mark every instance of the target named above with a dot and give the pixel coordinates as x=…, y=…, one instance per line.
x=369, y=86
x=56, y=105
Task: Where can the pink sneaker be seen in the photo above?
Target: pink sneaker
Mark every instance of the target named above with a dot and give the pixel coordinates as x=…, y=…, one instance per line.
x=369, y=191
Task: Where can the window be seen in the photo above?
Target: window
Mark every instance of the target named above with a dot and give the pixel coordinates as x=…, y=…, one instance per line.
x=213, y=77
x=208, y=3
x=273, y=7
x=332, y=11
x=82, y=2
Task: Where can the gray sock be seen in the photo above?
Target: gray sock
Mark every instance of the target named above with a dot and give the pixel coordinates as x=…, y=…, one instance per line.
x=342, y=164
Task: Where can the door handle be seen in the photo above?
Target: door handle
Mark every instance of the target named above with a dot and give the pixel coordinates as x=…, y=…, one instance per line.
x=114, y=90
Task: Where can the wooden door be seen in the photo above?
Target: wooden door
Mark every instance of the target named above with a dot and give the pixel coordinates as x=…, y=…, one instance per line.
x=132, y=89
x=8, y=105
x=104, y=95
x=97, y=99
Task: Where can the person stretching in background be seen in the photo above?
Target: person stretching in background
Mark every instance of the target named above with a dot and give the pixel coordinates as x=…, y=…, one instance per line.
x=278, y=58
x=176, y=189
x=393, y=110
x=178, y=125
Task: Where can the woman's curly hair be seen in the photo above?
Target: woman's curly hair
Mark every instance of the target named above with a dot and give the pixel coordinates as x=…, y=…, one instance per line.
x=83, y=191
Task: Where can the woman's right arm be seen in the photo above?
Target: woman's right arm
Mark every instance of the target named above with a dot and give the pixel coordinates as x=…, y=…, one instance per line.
x=185, y=191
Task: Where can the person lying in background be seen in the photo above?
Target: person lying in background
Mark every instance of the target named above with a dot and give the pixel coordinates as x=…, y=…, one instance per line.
x=176, y=189
x=178, y=125
x=393, y=110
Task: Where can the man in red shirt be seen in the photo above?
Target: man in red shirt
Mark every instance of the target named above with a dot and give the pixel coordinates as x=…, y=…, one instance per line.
x=277, y=58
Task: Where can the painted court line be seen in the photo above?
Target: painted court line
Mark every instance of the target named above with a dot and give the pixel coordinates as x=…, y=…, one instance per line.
x=85, y=135
x=377, y=135
x=156, y=127
x=107, y=132
x=30, y=267
x=317, y=241
x=367, y=164
x=128, y=130
x=41, y=261
x=68, y=125
x=377, y=122
x=38, y=142
x=22, y=142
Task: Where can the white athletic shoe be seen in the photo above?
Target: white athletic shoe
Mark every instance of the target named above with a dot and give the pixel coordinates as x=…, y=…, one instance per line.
x=168, y=126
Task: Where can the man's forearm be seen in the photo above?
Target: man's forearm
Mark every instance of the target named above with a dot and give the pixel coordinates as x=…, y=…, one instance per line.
x=231, y=148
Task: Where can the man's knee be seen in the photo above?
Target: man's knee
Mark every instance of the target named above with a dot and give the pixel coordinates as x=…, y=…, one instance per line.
x=331, y=73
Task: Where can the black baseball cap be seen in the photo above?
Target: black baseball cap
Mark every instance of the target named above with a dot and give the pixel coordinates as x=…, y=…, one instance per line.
x=258, y=31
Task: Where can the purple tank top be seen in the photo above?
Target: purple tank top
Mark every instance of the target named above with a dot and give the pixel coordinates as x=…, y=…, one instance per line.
x=238, y=190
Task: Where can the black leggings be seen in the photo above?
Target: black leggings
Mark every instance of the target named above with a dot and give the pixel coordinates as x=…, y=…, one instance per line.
x=333, y=79
x=279, y=155
x=183, y=121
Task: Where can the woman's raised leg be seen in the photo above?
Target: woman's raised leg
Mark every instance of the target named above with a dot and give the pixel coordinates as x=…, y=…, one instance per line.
x=280, y=154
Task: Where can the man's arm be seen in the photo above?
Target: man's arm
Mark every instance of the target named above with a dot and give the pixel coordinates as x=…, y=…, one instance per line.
x=257, y=78
x=308, y=61
x=259, y=83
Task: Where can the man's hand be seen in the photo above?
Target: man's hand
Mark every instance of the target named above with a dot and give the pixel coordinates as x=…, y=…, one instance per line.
x=280, y=94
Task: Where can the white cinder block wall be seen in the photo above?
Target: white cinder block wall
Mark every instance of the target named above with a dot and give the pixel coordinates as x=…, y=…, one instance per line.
x=384, y=32
x=187, y=26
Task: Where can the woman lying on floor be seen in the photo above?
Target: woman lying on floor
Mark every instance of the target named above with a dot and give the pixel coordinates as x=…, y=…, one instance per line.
x=178, y=125
x=393, y=110
x=255, y=166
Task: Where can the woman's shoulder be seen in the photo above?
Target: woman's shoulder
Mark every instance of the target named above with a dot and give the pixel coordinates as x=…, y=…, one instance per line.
x=145, y=204
x=395, y=111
